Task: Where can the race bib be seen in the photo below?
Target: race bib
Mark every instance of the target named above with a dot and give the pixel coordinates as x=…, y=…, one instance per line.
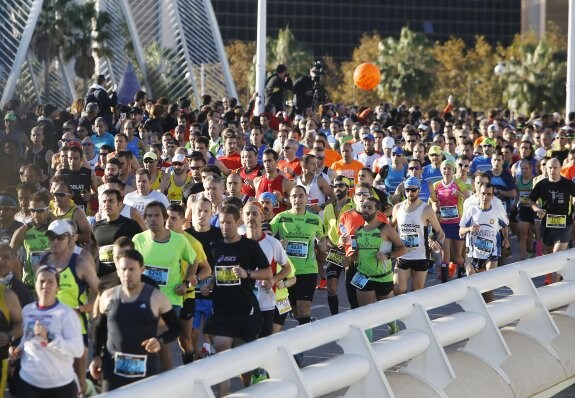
x=130, y=365
x=106, y=254
x=449, y=212
x=225, y=275
x=524, y=198
x=160, y=275
x=555, y=221
x=205, y=282
x=484, y=245
x=410, y=241
x=335, y=257
x=35, y=258
x=359, y=280
x=283, y=306
x=297, y=249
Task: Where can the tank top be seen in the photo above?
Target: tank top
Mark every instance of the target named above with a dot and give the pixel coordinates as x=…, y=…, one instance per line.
x=80, y=181
x=36, y=245
x=66, y=216
x=4, y=322
x=412, y=232
x=175, y=193
x=39, y=159
x=157, y=181
x=314, y=195
x=450, y=205
x=267, y=185
x=524, y=191
x=393, y=179
x=368, y=244
x=129, y=324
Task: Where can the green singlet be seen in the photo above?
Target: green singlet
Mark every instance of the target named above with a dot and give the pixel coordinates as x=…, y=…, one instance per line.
x=36, y=245
x=300, y=231
x=162, y=261
x=368, y=244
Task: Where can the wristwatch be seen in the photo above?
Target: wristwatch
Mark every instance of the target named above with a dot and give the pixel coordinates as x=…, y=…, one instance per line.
x=249, y=274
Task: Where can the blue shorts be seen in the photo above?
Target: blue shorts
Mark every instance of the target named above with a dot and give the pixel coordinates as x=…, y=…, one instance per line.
x=451, y=231
x=204, y=310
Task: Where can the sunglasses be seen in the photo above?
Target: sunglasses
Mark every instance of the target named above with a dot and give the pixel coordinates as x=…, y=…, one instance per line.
x=414, y=168
x=434, y=154
x=149, y=160
x=487, y=146
x=177, y=164
x=87, y=144
x=60, y=194
x=57, y=237
x=411, y=189
x=362, y=194
x=66, y=140
x=340, y=185
x=462, y=165
x=39, y=210
x=103, y=153
x=396, y=154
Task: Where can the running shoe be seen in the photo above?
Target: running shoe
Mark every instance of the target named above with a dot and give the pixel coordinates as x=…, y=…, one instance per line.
x=548, y=279
x=259, y=375
x=452, y=269
x=393, y=327
x=322, y=285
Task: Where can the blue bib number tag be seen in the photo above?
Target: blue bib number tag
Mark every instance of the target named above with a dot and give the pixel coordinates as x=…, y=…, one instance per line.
x=130, y=365
x=410, y=240
x=359, y=280
x=484, y=245
x=449, y=212
x=159, y=274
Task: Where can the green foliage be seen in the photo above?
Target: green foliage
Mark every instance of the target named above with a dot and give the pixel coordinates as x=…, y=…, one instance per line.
x=161, y=74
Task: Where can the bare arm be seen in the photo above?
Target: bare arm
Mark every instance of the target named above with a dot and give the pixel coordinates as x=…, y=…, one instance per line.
x=18, y=237
x=84, y=229
x=390, y=234
x=432, y=219
x=15, y=311
x=137, y=217
x=87, y=273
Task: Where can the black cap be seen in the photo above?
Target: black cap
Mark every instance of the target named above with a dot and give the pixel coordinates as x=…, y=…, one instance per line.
x=195, y=154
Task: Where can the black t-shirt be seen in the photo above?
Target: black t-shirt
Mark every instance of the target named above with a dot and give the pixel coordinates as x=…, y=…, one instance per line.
x=206, y=239
x=191, y=188
x=106, y=233
x=6, y=233
x=556, y=199
x=232, y=297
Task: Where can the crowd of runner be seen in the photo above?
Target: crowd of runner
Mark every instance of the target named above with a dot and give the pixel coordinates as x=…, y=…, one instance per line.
x=126, y=227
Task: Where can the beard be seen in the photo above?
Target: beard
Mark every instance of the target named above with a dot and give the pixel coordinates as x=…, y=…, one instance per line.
x=340, y=195
x=368, y=217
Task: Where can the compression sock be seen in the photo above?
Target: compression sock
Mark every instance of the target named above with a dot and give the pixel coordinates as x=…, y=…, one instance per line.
x=538, y=248
x=304, y=320
x=460, y=271
x=333, y=302
x=444, y=273
x=187, y=357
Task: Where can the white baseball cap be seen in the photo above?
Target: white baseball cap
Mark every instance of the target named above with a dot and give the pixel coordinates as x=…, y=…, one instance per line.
x=60, y=227
x=388, y=142
x=178, y=158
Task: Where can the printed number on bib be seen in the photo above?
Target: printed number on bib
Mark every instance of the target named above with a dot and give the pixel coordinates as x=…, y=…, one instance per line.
x=410, y=240
x=205, y=282
x=359, y=280
x=524, y=198
x=283, y=306
x=130, y=365
x=225, y=275
x=335, y=257
x=106, y=254
x=449, y=212
x=297, y=249
x=159, y=274
x=555, y=221
x=484, y=245
x=35, y=257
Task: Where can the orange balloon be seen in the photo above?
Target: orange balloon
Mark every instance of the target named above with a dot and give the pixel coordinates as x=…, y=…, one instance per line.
x=366, y=76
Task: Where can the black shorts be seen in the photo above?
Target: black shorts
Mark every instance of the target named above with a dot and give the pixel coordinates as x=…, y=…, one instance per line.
x=415, y=265
x=303, y=289
x=480, y=265
x=381, y=288
x=188, y=309
x=333, y=271
x=279, y=319
x=525, y=214
x=246, y=327
x=550, y=236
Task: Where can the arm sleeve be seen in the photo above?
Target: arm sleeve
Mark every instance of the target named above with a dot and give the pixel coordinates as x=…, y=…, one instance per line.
x=174, y=327
x=100, y=334
x=70, y=342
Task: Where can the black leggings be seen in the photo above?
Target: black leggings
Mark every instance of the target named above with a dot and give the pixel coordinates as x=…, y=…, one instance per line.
x=29, y=391
x=351, y=290
x=267, y=327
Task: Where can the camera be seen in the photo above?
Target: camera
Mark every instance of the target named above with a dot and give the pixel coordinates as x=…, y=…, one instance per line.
x=317, y=68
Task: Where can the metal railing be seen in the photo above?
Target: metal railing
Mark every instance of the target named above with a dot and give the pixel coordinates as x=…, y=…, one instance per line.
x=419, y=349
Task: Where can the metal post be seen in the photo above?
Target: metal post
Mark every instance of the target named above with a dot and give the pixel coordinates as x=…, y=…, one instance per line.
x=570, y=105
x=261, y=57
x=202, y=80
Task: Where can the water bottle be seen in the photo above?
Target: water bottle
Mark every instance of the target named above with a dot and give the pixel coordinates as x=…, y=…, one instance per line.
x=343, y=232
x=353, y=243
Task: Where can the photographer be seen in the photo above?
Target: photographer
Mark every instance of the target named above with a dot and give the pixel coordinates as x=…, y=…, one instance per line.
x=307, y=91
x=275, y=86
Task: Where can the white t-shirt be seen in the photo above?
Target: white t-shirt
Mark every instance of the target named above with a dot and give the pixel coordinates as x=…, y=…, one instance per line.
x=140, y=202
x=496, y=204
x=275, y=254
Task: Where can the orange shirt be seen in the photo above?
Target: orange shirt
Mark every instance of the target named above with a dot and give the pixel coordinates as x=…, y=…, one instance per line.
x=352, y=220
x=568, y=172
x=350, y=170
x=232, y=161
x=331, y=157
x=291, y=169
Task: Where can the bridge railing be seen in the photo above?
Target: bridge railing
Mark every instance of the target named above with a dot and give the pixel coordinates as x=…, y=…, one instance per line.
x=419, y=349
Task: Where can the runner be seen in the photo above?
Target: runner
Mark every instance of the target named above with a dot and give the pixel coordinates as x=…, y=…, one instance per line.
x=525, y=214
x=412, y=218
x=319, y=192
x=143, y=195
x=486, y=232
x=414, y=169
x=273, y=182
x=126, y=339
x=63, y=208
x=347, y=167
x=177, y=179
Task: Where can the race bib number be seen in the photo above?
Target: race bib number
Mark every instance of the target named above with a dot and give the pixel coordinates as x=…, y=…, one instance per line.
x=205, y=282
x=160, y=275
x=283, y=306
x=130, y=365
x=297, y=249
x=410, y=240
x=555, y=221
x=335, y=257
x=484, y=245
x=449, y=212
x=359, y=280
x=106, y=254
x=35, y=258
x=225, y=275
x=524, y=198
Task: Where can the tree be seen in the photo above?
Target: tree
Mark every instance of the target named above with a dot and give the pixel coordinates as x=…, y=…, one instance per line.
x=407, y=67
x=285, y=49
x=345, y=91
x=240, y=56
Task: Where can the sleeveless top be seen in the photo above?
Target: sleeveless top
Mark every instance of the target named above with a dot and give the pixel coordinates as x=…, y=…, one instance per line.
x=450, y=205
x=393, y=179
x=39, y=159
x=412, y=232
x=4, y=322
x=314, y=195
x=36, y=245
x=80, y=181
x=267, y=185
x=129, y=324
x=175, y=193
x=66, y=216
x=368, y=244
x=524, y=191
x=156, y=183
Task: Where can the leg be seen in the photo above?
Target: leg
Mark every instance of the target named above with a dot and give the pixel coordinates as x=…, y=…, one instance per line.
x=222, y=343
x=401, y=277
x=333, y=273
x=419, y=278
x=185, y=341
x=351, y=290
x=303, y=310
x=80, y=366
x=365, y=298
x=523, y=239
x=447, y=245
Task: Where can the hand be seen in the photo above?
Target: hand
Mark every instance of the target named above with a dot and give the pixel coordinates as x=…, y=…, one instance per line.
x=475, y=228
x=434, y=245
x=240, y=272
x=268, y=283
x=284, y=243
x=181, y=289
x=381, y=256
x=314, y=208
x=151, y=345
x=288, y=170
x=87, y=196
x=15, y=353
x=506, y=243
x=279, y=196
x=540, y=213
x=41, y=331
x=205, y=290
x=96, y=368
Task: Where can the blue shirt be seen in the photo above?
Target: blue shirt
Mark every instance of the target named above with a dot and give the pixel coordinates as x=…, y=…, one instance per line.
x=106, y=139
x=481, y=163
x=431, y=174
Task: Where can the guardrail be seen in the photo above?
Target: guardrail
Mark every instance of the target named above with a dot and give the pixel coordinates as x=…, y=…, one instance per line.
x=513, y=345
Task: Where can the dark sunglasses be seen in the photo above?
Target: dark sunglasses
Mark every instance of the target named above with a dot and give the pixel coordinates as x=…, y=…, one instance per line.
x=148, y=160
x=39, y=210
x=487, y=146
x=177, y=164
x=66, y=140
x=411, y=189
x=434, y=154
x=396, y=154
x=462, y=165
x=60, y=194
x=414, y=168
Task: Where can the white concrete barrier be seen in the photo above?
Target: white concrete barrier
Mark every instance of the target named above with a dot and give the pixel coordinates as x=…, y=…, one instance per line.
x=512, y=347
